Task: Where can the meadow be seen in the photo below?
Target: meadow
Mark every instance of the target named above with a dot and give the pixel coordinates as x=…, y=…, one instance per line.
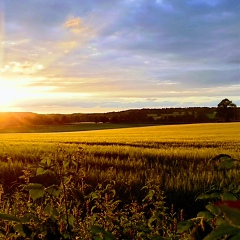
x=176, y=157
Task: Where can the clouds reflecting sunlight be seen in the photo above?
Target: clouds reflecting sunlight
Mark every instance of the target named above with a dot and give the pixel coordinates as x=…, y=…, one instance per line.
x=98, y=56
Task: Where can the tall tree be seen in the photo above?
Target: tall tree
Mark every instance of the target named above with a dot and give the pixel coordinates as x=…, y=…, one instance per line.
x=227, y=110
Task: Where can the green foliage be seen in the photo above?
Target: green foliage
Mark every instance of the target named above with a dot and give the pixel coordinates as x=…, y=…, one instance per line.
x=99, y=233
x=223, y=213
x=9, y=217
x=73, y=210
x=227, y=110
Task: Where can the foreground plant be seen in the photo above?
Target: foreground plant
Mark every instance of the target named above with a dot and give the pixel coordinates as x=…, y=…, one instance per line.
x=55, y=202
x=221, y=220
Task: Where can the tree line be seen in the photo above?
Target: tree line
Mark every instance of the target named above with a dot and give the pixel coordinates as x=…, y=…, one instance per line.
x=226, y=111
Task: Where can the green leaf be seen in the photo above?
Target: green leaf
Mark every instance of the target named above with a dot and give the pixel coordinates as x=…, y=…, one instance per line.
x=232, y=215
x=228, y=197
x=236, y=237
x=106, y=235
x=45, y=171
x=9, y=217
x=55, y=212
x=94, y=195
x=36, y=190
x=42, y=164
x=66, y=236
x=49, y=161
x=221, y=230
x=32, y=186
x=46, y=161
x=93, y=208
x=114, y=192
x=143, y=228
x=36, y=193
x=144, y=187
x=44, y=233
x=48, y=209
x=28, y=217
x=184, y=226
x=19, y=228
x=66, y=164
x=75, y=163
x=202, y=196
x=71, y=220
x=213, y=209
x=209, y=195
x=206, y=215
x=220, y=220
x=54, y=190
x=40, y=171
x=150, y=195
x=157, y=238
x=151, y=220
x=226, y=162
x=96, y=229
x=97, y=238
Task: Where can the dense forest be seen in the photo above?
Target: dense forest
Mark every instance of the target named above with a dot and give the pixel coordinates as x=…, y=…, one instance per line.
x=152, y=116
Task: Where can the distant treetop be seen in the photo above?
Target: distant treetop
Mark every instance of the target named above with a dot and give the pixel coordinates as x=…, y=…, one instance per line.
x=227, y=110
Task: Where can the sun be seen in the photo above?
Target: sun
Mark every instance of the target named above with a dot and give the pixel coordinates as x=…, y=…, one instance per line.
x=9, y=96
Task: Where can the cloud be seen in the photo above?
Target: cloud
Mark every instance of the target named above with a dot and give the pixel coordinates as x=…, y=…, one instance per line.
x=72, y=22
x=23, y=68
x=75, y=24
x=148, y=49
x=147, y=28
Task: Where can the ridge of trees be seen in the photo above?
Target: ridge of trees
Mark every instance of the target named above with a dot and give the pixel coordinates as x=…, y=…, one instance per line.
x=145, y=115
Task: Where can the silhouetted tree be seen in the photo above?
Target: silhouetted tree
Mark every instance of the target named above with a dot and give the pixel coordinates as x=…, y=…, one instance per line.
x=227, y=110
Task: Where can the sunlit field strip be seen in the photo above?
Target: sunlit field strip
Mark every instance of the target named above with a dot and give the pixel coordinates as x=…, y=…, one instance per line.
x=217, y=132
x=197, y=141
x=177, y=140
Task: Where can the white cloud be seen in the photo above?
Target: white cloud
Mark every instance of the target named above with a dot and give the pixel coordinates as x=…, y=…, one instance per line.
x=21, y=67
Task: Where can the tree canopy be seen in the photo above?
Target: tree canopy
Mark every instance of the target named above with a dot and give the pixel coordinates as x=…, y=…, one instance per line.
x=227, y=110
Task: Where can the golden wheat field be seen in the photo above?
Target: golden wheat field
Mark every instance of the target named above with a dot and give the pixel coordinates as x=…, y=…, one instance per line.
x=177, y=156
x=196, y=139
x=215, y=132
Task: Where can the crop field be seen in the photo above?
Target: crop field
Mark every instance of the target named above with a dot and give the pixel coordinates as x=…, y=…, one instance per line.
x=150, y=174
x=178, y=155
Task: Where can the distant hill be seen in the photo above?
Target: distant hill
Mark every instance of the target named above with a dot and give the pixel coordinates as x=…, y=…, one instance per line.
x=146, y=115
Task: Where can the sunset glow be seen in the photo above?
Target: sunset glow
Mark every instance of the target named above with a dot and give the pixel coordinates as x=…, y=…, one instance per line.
x=10, y=95
x=98, y=56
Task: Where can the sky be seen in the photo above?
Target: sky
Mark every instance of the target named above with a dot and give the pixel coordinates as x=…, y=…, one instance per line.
x=86, y=56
